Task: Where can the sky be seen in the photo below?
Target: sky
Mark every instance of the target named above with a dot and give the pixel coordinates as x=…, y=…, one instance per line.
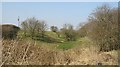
x=53, y=13
x=60, y=0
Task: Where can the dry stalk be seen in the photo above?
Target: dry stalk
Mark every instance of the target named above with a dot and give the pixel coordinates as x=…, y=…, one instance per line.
x=3, y=62
x=13, y=47
x=1, y=48
x=25, y=53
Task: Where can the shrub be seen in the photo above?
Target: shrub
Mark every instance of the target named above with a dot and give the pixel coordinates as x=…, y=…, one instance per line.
x=104, y=28
x=9, y=31
x=69, y=32
x=54, y=29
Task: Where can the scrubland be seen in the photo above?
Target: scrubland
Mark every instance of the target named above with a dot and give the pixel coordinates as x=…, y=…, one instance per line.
x=20, y=52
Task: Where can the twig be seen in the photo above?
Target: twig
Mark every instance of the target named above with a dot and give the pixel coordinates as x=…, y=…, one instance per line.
x=25, y=53
x=13, y=47
x=3, y=62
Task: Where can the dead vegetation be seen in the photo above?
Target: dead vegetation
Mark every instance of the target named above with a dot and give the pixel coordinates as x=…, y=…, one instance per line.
x=23, y=53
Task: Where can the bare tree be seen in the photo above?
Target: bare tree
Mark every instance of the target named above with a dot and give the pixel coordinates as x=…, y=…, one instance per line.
x=42, y=28
x=33, y=27
x=104, y=28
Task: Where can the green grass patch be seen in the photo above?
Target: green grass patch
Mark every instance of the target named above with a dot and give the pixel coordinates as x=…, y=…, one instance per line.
x=55, y=36
x=53, y=41
x=66, y=45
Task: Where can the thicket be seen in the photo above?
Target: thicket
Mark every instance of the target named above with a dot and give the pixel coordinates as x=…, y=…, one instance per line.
x=102, y=28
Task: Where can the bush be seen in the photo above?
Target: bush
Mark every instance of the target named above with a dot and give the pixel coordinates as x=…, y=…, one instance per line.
x=54, y=29
x=83, y=30
x=104, y=28
x=69, y=32
x=9, y=31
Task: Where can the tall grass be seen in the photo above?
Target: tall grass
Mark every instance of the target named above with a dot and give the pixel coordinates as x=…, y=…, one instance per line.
x=19, y=52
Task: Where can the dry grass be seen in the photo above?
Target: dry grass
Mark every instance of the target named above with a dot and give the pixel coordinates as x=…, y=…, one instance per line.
x=23, y=53
x=1, y=52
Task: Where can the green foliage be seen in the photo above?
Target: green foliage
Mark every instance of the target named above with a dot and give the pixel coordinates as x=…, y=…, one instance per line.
x=55, y=36
x=54, y=29
x=69, y=32
x=66, y=45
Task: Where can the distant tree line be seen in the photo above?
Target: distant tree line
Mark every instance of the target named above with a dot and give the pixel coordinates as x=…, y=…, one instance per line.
x=33, y=27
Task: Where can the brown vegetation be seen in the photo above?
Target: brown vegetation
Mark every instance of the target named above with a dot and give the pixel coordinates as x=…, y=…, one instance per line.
x=99, y=35
x=102, y=28
x=21, y=53
x=9, y=31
